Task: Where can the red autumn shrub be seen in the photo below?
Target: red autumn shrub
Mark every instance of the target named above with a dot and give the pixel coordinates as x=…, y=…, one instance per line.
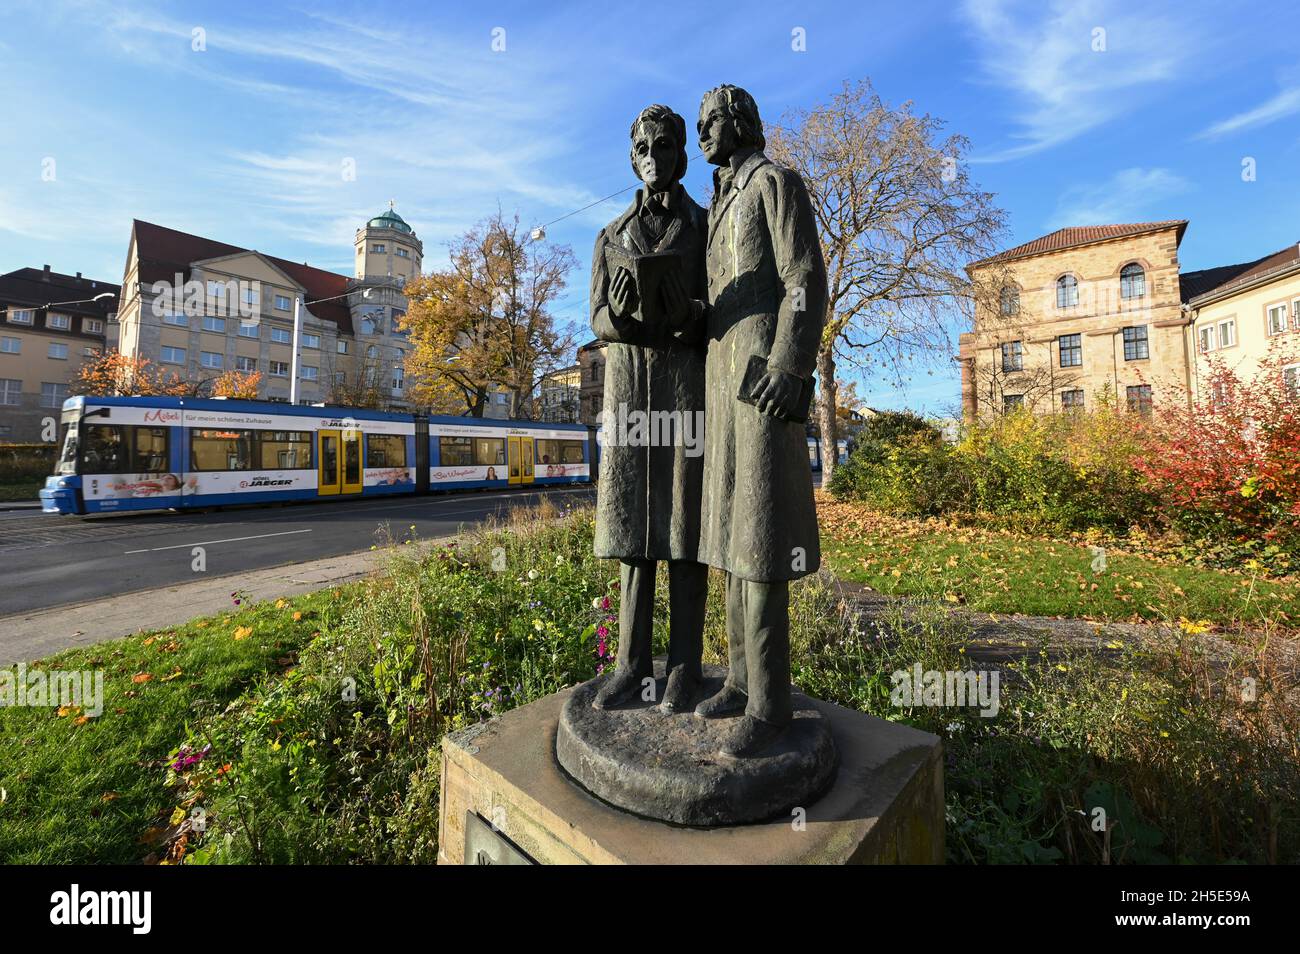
x=1230, y=462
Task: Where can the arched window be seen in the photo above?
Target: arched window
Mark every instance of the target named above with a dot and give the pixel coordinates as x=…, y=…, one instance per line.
x=1010, y=300
x=1067, y=291
x=372, y=352
x=1132, y=281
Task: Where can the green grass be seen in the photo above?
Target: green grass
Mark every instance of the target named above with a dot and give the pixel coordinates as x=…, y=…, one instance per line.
x=1008, y=573
x=87, y=792
x=1159, y=735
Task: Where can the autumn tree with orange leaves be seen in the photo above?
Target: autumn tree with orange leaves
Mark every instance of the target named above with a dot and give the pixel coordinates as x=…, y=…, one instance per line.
x=241, y=385
x=486, y=323
x=111, y=372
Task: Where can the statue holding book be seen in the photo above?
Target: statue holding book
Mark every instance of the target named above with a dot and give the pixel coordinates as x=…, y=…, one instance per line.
x=766, y=308
x=648, y=284
x=718, y=317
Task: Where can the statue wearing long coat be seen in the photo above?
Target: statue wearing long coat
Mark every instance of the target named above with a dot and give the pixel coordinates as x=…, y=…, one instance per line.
x=767, y=297
x=648, y=500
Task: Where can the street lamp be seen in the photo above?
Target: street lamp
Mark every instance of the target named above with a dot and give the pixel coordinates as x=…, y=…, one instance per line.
x=297, y=330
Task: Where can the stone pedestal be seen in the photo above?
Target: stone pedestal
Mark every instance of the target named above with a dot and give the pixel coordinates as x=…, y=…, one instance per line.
x=885, y=805
x=669, y=766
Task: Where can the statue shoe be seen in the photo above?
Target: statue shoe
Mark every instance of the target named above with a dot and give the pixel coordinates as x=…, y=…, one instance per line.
x=680, y=691
x=727, y=701
x=619, y=689
x=750, y=738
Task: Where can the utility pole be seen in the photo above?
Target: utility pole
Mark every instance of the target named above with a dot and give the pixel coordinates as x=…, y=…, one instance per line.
x=293, y=363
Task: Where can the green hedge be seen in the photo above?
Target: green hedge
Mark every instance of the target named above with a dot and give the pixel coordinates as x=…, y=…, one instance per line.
x=26, y=462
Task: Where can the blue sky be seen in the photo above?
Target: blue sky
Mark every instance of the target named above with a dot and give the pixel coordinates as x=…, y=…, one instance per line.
x=245, y=141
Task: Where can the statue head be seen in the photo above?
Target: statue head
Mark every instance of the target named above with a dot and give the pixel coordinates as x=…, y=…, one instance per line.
x=728, y=121
x=659, y=147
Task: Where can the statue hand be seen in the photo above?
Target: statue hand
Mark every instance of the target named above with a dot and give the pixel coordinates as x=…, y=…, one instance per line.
x=622, y=294
x=777, y=393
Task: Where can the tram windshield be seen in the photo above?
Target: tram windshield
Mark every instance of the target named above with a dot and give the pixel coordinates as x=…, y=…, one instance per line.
x=68, y=458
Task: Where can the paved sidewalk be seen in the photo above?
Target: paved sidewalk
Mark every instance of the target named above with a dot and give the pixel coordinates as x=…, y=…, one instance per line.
x=28, y=636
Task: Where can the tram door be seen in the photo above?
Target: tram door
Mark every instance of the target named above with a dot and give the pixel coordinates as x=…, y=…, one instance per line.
x=351, y=461
x=327, y=457
x=339, y=454
x=520, y=459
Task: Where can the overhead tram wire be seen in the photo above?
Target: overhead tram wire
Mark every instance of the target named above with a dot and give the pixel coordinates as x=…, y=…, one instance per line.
x=539, y=232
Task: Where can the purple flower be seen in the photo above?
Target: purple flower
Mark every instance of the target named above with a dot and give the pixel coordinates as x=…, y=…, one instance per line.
x=186, y=758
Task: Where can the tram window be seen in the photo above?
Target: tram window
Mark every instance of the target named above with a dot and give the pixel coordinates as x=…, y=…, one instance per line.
x=489, y=451
x=104, y=450
x=221, y=449
x=351, y=462
x=150, y=450
x=284, y=450
x=559, y=452
x=456, y=451
x=385, y=450
x=121, y=449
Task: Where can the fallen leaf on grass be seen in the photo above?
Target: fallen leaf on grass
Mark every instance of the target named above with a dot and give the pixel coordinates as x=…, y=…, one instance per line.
x=142, y=677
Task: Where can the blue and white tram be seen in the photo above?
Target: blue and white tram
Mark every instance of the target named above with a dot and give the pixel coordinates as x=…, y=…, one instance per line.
x=815, y=453
x=151, y=453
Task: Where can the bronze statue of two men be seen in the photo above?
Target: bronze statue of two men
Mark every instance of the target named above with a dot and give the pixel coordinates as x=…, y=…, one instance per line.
x=713, y=321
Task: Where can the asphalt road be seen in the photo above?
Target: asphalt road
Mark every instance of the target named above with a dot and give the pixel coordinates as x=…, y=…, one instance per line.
x=53, y=560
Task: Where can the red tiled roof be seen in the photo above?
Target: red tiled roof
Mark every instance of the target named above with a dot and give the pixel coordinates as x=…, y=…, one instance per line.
x=163, y=252
x=1224, y=277
x=1081, y=235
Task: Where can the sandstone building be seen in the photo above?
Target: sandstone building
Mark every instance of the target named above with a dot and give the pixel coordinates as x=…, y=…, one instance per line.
x=1081, y=315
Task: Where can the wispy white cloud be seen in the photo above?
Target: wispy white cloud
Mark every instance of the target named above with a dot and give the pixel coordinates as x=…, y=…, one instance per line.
x=1127, y=196
x=1285, y=103
x=438, y=122
x=1072, y=66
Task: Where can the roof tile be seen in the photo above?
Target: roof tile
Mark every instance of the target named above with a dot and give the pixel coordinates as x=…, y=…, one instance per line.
x=1080, y=235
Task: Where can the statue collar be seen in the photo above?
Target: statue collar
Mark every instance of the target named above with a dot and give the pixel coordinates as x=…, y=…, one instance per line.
x=741, y=176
